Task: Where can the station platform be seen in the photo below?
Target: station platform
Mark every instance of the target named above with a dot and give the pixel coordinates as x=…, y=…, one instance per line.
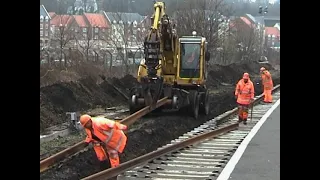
x=258, y=156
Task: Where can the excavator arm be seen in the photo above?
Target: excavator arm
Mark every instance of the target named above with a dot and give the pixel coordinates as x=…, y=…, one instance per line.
x=152, y=44
x=158, y=40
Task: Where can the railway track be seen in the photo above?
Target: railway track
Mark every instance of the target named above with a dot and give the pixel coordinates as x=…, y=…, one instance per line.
x=50, y=161
x=199, y=154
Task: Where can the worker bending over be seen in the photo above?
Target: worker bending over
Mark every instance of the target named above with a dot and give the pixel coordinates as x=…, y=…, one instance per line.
x=267, y=84
x=102, y=132
x=244, y=94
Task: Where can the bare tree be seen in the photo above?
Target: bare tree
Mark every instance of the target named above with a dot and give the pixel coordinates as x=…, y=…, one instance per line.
x=204, y=17
x=107, y=57
x=86, y=41
x=226, y=53
x=61, y=32
x=75, y=56
x=247, y=38
x=62, y=35
x=123, y=35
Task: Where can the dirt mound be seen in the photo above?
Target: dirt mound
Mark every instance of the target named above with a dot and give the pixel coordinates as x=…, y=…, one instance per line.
x=50, y=76
x=124, y=84
x=232, y=73
x=57, y=99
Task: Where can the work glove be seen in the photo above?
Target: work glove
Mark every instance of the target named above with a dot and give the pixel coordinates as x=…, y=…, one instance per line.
x=96, y=143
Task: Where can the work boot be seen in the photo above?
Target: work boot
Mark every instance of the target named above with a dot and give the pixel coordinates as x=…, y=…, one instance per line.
x=239, y=119
x=245, y=121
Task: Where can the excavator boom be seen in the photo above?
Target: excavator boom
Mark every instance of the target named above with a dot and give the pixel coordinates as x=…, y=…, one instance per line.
x=156, y=18
x=152, y=83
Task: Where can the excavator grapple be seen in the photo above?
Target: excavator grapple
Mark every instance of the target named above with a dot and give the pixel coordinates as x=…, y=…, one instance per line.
x=152, y=84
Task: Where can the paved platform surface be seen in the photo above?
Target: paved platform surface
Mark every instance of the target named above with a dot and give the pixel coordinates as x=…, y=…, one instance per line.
x=261, y=158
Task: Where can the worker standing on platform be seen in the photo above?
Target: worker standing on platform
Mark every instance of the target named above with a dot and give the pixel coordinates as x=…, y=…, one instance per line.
x=102, y=132
x=244, y=94
x=267, y=84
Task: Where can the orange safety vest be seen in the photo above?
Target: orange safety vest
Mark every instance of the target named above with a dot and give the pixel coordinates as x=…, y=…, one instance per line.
x=244, y=91
x=267, y=80
x=109, y=132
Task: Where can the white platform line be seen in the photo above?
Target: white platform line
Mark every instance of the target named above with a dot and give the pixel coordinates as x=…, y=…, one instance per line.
x=226, y=172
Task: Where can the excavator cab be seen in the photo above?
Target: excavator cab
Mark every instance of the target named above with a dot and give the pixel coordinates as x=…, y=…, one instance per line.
x=192, y=60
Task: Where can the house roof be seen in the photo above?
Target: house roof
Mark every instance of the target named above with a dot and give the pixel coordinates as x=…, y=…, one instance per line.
x=125, y=17
x=255, y=19
x=80, y=20
x=43, y=12
x=247, y=21
x=251, y=18
x=277, y=25
x=145, y=18
x=96, y=20
x=61, y=19
x=52, y=14
x=234, y=23
x=272, y=31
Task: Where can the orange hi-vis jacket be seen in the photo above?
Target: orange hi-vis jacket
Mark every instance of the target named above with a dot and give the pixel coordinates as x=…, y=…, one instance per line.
x=267, y=80
x=109, y=132
x=244, y=92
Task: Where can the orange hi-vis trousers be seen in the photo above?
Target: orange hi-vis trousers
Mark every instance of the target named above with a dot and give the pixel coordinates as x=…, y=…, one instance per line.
x=243, y=112
x=267, y=96
x=267, y=86
x=112, y=154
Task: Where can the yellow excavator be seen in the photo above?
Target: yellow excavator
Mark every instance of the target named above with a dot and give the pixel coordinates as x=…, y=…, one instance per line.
x=172, y=67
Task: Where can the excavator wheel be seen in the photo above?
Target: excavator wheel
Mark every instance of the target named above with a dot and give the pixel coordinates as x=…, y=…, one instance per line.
x=133, y=104
x=205, y=103
x=194, y=103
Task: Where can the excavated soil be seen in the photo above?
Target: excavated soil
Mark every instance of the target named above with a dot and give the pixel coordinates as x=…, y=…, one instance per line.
x=57, y=99
x=152, y=132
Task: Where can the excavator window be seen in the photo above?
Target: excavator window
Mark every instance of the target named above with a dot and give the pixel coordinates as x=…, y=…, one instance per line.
x=190, y=60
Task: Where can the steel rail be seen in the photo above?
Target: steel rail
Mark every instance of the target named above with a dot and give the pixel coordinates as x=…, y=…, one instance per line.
x=48, y=162
x=113, y=172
